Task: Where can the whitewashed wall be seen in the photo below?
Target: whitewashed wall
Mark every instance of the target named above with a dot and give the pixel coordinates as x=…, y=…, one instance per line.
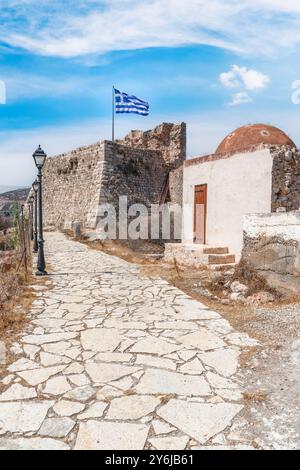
x=238, y=185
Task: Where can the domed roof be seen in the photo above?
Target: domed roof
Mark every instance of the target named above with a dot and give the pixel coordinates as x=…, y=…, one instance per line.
x=252, y=136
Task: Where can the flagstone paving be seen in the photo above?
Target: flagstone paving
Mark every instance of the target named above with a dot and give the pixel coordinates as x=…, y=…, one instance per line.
x=114, y=360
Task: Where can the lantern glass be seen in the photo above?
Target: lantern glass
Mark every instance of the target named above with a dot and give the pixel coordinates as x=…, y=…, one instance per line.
x=39, y=157
x=35, y=186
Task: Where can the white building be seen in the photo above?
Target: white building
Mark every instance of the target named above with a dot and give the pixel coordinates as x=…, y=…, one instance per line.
x=219, y=189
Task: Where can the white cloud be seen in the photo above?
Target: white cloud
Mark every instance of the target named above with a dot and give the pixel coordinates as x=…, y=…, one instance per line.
x=240, y=98
x=70, y=29
x=246, y=79
x=2, y=92
x=241, y=76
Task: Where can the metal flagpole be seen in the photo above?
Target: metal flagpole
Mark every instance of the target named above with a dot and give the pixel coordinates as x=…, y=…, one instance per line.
x=113, y=114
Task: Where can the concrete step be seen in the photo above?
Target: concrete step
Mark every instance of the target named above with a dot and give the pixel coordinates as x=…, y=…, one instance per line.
x=215, y=250
x=220, y=267
x=221, y=259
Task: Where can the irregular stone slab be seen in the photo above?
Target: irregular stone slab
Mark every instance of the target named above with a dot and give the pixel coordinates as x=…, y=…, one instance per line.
x=107, y=393
x=18, y=392
x=23, y=364
x=50, y=338
x=164, y=382
x=176, y=325
x=113, y=357
x=84, y=393
x=169, y=443
x=224, y=361
x=56, y=427
x=102, y=372
x=31, y=351
x=161, y=427
x=217, y=381
x=132, y=407
x=128, y=325
x=49, y=322
x=74, y=368
x=36, y=376
x=153, y=345
x=95, y=435
x=187, y=355
x=199, y=420
x=203, y=340
x=95, y=410
x=100, y=339
x=32, y=443
x=48, y=359
x=56, y=348
x=57, y=386
x=79, y=379
x=68, y=408
x=23, y=416
x=230, y=395
x=154, y=361
x=193, y=367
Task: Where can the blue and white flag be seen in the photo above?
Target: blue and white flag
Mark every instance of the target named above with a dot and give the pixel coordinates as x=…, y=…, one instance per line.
x=130, y=104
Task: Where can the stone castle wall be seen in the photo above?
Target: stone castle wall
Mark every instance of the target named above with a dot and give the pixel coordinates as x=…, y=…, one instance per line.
x=75, y=183
x=285, y=178
x=169, y=139
x=71, y=187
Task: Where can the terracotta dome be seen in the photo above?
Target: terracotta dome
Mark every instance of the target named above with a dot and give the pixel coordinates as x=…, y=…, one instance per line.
x=252, y=136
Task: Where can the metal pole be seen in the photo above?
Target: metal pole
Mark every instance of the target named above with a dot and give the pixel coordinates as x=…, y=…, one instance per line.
x=113, y=114
x=41, y=265
x=35, y=243
x=31, y=220
x=24, y=239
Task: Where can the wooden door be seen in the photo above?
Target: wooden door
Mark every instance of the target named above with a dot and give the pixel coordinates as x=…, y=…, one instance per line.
x=200, y=208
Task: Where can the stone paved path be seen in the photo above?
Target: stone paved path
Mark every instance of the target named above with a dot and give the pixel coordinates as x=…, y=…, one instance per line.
x=113, y=360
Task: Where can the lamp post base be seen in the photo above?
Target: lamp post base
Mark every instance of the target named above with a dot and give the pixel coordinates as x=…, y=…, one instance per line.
x=41, y=273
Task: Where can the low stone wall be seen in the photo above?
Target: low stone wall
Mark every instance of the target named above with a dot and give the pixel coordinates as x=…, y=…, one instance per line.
x=272, y=247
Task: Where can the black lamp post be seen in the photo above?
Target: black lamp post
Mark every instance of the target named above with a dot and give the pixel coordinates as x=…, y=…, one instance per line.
x=39, y=157
x=35, y=187
x=30, y=206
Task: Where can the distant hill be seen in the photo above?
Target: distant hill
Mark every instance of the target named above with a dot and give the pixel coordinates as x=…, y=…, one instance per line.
x=7, y=188
x=15, y=194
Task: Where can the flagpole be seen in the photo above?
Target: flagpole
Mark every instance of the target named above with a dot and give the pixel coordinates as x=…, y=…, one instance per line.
x=113, y=114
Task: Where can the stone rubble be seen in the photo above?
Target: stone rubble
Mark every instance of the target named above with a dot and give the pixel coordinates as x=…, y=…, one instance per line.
x=111, y=359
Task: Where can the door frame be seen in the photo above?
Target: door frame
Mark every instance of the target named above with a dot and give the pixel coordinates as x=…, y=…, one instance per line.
x=204, y=186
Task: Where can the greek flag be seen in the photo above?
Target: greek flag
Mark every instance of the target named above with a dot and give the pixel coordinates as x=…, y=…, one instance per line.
x=130, y=104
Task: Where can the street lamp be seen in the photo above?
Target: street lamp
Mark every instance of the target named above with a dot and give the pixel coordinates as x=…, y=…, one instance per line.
x=35, y=187
x=39, y=157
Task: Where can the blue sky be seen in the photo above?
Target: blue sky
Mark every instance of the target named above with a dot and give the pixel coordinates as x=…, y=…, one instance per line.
x=215, y=65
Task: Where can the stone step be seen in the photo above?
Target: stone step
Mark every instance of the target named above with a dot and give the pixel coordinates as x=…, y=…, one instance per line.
x=220, y=267
x=221, y=259
x=216, y=250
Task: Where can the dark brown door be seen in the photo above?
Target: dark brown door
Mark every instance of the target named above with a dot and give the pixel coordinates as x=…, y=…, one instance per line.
x=200, y=208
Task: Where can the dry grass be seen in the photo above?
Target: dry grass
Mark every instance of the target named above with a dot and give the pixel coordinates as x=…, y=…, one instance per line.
x=256, y=396
x=16, y=297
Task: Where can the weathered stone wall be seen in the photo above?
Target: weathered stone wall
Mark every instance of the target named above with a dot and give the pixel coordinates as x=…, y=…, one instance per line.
x=285, y=178
x=71, y=187
x=176, y=185
x=272, y=247
x=75, y=183
x=136, y=173
x=169, y=139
